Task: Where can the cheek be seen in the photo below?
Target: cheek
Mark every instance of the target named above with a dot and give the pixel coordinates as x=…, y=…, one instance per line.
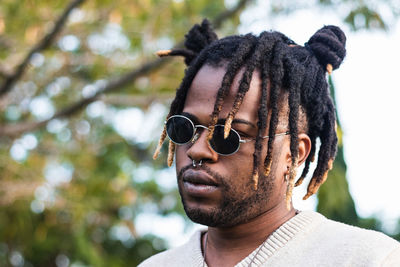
x=238, y=168
x=181, y=158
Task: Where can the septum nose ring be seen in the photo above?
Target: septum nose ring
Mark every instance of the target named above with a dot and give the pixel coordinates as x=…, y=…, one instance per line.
x=199, y=164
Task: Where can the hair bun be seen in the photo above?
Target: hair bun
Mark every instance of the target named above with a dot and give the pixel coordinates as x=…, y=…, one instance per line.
x=196, y=40
x=328, y=45
x=200, y=36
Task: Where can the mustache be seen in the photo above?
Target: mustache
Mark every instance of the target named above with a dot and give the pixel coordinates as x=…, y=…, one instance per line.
x=218, y=178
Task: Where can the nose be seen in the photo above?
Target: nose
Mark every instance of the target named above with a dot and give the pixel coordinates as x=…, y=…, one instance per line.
x=200, y=148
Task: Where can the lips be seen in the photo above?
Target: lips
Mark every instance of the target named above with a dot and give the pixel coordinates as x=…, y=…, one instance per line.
x=198, y=183
x=198, y=177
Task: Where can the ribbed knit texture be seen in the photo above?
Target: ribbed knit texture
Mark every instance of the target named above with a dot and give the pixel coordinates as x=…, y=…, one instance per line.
x=307, y=239
x=278, y=239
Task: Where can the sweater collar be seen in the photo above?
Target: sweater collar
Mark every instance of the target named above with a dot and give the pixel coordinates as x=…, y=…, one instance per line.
x=278, y=239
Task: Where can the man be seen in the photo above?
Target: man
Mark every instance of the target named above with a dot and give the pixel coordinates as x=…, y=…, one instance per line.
x=246, y=116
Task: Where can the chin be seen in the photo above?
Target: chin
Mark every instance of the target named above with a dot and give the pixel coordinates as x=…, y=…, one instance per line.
x=226, y=214
x=210, y=218
x=204, y=211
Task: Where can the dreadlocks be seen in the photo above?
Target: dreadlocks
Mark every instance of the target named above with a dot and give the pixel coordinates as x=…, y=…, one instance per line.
x=285, y=67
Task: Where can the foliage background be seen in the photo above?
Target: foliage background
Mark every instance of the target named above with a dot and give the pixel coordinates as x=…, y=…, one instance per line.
x=73, y=176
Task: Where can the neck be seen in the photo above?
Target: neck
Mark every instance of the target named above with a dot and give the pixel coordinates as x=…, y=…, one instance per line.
x=229, y=245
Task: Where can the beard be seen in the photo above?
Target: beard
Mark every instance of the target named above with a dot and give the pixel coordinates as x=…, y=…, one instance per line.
x=238, y=204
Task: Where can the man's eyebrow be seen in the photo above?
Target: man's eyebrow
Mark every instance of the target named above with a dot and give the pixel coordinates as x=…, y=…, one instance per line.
x=220, y=121
x=192, y=117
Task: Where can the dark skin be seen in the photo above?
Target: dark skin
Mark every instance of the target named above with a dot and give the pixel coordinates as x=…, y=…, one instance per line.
x=230, y=241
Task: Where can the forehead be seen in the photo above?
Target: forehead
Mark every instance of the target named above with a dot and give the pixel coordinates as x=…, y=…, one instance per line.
x=203, y=92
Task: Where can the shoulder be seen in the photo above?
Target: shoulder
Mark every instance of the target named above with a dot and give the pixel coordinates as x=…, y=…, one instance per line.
x=353, y=234
x=356, y=244
x=189, y=254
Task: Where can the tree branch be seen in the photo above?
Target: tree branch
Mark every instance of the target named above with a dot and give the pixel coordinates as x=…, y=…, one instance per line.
x=138, y=100
x=3, y=74
x=14, y=130
x=41, y=45
x=218, y=20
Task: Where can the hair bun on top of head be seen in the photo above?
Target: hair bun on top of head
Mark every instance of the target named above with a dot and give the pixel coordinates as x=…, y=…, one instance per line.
x=196, y=40
x=200, y=36
x=328, y=46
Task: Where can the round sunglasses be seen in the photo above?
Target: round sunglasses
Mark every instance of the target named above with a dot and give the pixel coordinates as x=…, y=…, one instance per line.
x=181, y=130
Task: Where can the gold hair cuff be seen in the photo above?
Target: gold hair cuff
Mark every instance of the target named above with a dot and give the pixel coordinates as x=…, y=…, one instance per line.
x=329, y=68
x=163, y=53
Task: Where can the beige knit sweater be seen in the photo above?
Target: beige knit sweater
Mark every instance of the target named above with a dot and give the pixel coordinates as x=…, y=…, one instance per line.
x=308, y=239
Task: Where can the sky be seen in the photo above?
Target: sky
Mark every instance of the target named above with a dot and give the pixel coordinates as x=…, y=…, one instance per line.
x=367, y=96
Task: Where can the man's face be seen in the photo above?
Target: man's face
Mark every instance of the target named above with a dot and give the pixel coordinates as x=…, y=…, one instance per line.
x=220, y=192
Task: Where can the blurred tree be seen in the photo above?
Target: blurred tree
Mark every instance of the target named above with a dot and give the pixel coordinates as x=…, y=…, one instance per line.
x=334, y=199
x=72, y=186
x=368, y=14
x=82, y=98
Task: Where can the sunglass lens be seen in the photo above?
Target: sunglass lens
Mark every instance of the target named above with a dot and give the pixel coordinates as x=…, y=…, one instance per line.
x=224, y=146
x=179, y=129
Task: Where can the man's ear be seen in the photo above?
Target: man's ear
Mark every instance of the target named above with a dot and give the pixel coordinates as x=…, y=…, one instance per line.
x=304, y=148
